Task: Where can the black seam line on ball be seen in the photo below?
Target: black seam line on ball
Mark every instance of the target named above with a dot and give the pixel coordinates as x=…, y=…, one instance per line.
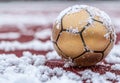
x=97, y=21
x=98, y=51
x=61, y=26
x=88, y=13
x=58, y=36
x=82, y=35
x=60, y=31
x=61, y=50
x=101, y=52
x=83, y=41
x=69, y=31
x=64, y=30
x=54, y=42
x=62, y=19
x=93, y=18
x=87, y=25
x=79, y=55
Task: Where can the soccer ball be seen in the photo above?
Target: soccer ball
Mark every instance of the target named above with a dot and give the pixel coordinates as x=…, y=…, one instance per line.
x=83, y=34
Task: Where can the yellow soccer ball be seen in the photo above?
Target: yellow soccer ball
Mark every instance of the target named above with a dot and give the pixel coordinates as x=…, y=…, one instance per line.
x=83, y=34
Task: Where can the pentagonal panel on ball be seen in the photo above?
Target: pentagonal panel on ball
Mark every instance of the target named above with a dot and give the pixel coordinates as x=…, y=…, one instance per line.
x=88, y=59
x=75, y=20
x=55, y=31
x=96, y=37
x=70, y=44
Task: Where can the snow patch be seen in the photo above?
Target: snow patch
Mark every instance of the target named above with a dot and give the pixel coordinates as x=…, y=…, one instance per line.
x=93, y=77
x=110, y=76
x=9, y=35
x=114, y=55
x=44, y=34
x=32, y=45
x=72, y=30
x=24, y=19
x=52, y=55
x=115, y=67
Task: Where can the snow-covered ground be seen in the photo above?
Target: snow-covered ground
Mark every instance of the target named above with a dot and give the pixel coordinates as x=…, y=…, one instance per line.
x=25, y=30
x=30, y=68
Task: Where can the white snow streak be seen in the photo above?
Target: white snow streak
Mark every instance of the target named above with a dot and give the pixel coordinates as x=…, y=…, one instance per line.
x=32, y=45
x=9, y=35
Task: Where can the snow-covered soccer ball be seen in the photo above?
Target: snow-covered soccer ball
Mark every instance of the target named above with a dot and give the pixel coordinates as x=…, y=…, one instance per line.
x=83, y=34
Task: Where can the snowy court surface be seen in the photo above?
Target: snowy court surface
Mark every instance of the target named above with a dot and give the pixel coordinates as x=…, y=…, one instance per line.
x=27, y=54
